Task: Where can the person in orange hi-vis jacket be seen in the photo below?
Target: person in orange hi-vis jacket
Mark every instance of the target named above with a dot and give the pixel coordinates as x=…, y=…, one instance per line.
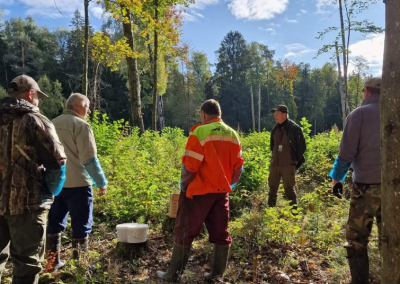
x=211, y=166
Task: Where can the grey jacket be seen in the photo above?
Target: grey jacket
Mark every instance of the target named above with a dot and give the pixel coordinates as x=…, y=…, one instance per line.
x=360, y=143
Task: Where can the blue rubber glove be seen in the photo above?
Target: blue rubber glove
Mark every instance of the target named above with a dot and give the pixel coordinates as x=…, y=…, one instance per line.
x=96, y=173
x=55, y=179
x=339, y=170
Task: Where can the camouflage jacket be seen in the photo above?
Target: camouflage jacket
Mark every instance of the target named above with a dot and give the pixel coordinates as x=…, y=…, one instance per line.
x=28, y=145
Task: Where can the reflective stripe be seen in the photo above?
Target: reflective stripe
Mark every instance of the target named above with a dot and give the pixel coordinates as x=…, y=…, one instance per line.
x=240, y=154
x=194, y=155
x=219, y=138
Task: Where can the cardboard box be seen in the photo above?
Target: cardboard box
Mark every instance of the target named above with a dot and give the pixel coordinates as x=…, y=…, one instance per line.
x=173, y=204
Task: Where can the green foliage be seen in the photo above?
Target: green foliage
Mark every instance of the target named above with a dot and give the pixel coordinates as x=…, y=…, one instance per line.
x=3, y=93
x=142, y=170
x=54, y=104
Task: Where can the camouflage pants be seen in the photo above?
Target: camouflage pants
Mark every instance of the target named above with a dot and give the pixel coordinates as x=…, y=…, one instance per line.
x=23, y=236
x=365, y=205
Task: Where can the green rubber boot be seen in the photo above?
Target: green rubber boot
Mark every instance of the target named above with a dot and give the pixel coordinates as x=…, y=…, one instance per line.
x=53, y=251
x=180, y=256
x=221, y=254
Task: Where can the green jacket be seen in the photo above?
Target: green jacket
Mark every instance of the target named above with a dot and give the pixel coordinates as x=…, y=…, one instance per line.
x=28, y=146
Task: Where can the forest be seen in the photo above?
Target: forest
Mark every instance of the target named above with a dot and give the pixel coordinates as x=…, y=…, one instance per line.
x=247, y=79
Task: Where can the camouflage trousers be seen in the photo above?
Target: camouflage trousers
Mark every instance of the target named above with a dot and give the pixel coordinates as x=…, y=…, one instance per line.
x=365, y=206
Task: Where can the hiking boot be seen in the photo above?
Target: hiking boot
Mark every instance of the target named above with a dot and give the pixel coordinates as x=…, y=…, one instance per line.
x=221, y=254
x=79, y=245
x=180, y=256
x=359, y=265
x=53, y=251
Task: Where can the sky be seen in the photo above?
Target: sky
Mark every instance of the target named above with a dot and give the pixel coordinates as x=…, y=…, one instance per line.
x=289, y=27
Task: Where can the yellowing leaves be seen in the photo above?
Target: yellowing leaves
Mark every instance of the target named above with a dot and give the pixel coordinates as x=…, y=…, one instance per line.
x=111, y=54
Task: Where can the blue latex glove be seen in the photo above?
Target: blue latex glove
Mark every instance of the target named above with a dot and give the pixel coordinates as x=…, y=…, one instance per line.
x=55, y=179
x=339, y=170
x=96, y=173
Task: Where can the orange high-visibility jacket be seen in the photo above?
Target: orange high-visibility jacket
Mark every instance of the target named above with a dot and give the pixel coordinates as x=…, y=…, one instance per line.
x=213, y=152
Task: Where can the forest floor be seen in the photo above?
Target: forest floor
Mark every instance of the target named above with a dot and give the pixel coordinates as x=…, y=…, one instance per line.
x=271, y=264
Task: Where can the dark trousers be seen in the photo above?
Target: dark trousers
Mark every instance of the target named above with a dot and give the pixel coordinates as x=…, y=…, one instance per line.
x=211, y=209
x=288, y=176
x=78, y=202
x=23, y=237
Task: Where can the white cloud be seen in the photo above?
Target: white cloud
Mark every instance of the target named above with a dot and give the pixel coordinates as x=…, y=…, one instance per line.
x=97, y=12
x=187, y=17
x=371, y=49
x=257, y=9
x=302, y=12
x=291, y=21
x=275, y=25
x=297, y=50
x=198, y=15
x=201, y=4
x=323, y=6
x=6, y=12
x=290, y=54
x=295, y=47
x=271, y=30
x=191, y=13
x=47, y=8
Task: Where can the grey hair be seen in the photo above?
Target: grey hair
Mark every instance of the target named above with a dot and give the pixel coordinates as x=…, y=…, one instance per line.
x=76, y=99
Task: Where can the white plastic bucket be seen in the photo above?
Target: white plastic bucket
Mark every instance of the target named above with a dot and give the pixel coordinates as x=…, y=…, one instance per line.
x=122, y=231
x=137, y=233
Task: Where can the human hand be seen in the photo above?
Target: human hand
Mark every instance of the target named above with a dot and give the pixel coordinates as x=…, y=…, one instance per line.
x=102, y=191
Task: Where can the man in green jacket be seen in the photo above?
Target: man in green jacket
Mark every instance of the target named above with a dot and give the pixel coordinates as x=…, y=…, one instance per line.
x=287, y=146
x=32, y=170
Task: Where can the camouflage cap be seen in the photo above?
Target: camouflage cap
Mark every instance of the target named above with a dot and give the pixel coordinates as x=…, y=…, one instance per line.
x=281, y=108
x=23, y=83
x=374, y=83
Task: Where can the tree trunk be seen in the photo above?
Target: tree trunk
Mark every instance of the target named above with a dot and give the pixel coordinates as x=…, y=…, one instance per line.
x=133, y=78
x=252, y=108
x=342, y=95
x=86, y=51
x=345, y=63
x=357, y=90
x=155, y=62
x=188, y=94
x=96, y=87
x=259, y=107
x=5, y=70
x=161, y=112
x=390, y=135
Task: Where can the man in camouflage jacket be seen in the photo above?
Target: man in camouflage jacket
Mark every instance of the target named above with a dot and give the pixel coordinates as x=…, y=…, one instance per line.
x=32, y=170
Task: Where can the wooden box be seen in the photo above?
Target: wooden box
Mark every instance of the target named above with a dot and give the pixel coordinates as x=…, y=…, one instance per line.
x=173, y=204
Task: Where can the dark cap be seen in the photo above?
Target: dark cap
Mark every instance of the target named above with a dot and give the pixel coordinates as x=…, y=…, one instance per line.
x=281, y=108
x=374, y=83
x=22, y=84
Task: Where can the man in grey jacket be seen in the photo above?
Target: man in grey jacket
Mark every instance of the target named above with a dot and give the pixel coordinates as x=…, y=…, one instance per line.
x=360, y=149
x=83, y=170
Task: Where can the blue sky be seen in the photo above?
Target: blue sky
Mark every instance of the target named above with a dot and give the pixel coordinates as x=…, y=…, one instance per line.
x=289, y=27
